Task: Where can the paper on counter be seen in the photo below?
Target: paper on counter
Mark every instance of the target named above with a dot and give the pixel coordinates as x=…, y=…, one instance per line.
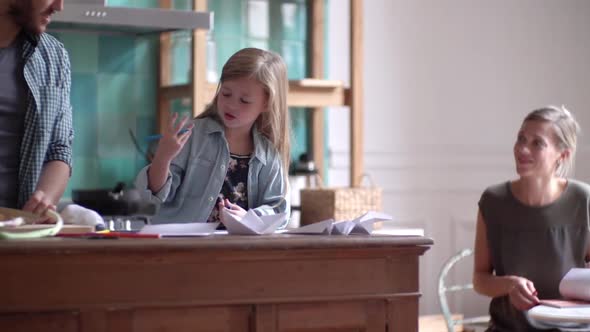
x=322, y=227
x=360, y=225
x=181, y=229
x=365, y=223
x=251, y=223
x=343, y=227
x=399, y=231
x=78, y=215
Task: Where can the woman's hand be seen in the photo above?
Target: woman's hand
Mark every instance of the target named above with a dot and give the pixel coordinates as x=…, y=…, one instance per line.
x=522, y=293
x=173, y=139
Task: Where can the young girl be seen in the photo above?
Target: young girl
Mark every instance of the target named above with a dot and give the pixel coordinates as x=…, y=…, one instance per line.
x=234, y=155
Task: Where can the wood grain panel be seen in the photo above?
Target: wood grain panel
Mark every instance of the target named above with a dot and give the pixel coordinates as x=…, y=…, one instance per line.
x=332, y=316
x=272, y=283
x=205, y=319
x=46, y=322
x=199, y=282
x=402, y=314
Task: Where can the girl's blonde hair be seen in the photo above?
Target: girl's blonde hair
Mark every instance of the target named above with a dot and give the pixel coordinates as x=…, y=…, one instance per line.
x=566, y=132
x=269, y=69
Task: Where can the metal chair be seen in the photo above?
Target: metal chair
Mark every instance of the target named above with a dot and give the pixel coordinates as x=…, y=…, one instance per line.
x=443, y=289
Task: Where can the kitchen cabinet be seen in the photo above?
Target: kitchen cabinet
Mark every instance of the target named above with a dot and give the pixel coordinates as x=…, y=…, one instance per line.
x=217, y=283
x=313, y=92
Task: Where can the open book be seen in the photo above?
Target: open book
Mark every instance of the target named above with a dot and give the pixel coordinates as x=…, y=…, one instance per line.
x=571, y=314
x=575, y=288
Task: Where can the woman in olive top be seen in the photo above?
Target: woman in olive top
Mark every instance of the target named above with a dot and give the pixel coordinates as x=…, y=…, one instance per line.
x=532, y=230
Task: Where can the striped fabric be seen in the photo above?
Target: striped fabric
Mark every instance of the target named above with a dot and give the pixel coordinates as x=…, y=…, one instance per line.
x=48, y=131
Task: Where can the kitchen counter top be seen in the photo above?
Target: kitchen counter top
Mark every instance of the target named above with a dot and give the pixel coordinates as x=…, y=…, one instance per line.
x=214, y=242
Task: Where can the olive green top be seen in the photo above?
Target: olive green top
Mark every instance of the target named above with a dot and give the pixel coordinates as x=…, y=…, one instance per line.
x=540, y=243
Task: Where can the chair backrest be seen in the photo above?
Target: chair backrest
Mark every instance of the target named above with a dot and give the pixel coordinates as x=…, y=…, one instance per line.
x=443, y=289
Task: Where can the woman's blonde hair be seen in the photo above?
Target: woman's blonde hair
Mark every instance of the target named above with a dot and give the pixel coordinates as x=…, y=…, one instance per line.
x=269, y=69
x=566, y=132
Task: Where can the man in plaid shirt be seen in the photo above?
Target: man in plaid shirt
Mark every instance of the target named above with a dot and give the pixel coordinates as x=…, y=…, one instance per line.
x=35, y=113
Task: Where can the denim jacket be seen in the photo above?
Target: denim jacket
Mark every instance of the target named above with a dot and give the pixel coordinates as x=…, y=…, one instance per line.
x=197, y=174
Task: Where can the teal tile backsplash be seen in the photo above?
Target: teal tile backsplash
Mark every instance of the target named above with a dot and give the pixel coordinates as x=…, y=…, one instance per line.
x=115, y=54
x=113, y=90
x=84, y=94
x=83, y=51
x=114, y=80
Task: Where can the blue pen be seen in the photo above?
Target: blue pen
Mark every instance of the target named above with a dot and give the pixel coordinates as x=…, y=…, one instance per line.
x=158, y=136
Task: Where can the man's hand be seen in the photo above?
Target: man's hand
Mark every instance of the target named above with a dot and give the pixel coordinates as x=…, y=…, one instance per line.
x=39, y=203
x=52, y=183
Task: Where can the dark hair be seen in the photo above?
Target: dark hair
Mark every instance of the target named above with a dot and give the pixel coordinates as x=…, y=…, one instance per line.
x=21, y=12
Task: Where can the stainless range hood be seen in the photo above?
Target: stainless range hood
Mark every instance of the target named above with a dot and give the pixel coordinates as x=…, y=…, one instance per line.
x=97, y=16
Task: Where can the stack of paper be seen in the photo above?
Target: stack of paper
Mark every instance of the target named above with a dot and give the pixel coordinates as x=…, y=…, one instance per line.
x=571, y=313
x=575, y=289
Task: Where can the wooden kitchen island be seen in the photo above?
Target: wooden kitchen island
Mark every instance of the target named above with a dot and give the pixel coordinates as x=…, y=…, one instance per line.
x=216, y=283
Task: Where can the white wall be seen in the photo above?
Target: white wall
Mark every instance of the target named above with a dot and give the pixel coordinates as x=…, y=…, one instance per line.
x=447, y=84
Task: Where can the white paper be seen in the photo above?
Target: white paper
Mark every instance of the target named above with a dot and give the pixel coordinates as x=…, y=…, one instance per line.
x=371, y=217
x=18, y=221
x=342, y=227
x=251, y=223
x=79, y=215
x=182, y=229
x=399, y=231
x=576, y=284
x=546, y=314
x=360, y=225
x=322, y=227
x=365, y=223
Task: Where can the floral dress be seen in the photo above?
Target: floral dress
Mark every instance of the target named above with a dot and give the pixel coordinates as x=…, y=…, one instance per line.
x=235, y=185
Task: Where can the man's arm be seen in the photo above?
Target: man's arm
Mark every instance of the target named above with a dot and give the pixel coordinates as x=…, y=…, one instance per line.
x=57, y=167
x=52, y=184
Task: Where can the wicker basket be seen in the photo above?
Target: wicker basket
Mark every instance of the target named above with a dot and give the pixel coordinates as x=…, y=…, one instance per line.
x=339, y=203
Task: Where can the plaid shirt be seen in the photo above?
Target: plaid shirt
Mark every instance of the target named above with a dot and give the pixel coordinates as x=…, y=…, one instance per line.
x=48, y=131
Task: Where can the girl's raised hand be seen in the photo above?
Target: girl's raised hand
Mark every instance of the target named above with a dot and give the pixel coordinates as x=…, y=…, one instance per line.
x=173, y=139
